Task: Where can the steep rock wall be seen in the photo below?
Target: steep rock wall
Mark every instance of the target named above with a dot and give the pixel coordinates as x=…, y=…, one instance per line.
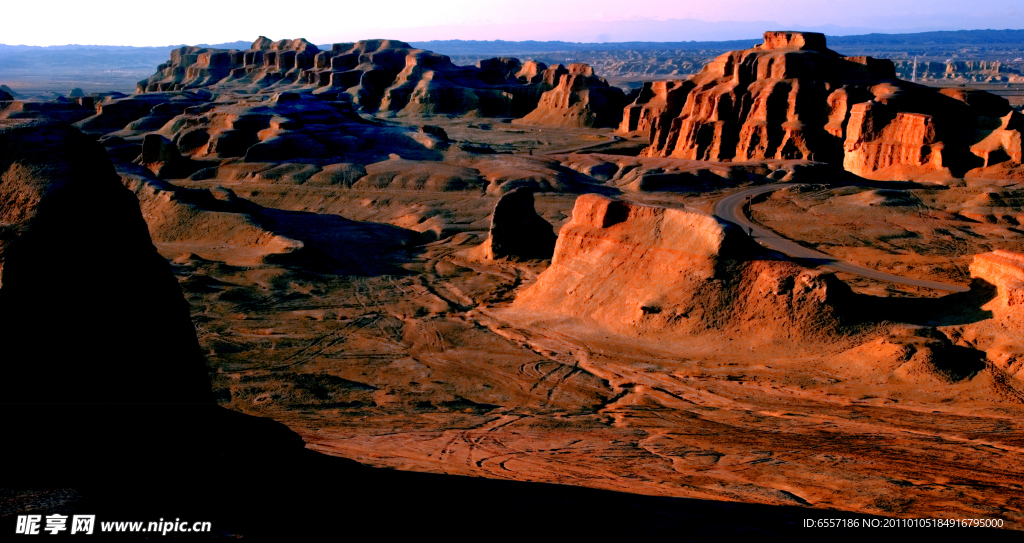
x=642, y=270
x=793, y=98
x=580, y=100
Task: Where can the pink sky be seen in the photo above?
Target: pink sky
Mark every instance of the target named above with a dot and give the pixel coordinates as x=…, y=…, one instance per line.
x=130, y=22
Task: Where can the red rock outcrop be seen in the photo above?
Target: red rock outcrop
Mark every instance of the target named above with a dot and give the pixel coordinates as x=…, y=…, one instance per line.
x=139, y=113
x=580, y=100
x=792, y=98
x=1004, y=270
x=995, y=206
x=657, y=100
x=208, y=223
x=56, y=110
x=265, y=63
x=643, y=270
x=1003, y=142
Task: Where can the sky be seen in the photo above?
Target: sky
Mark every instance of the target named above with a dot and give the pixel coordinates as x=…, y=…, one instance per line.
x=131, y=22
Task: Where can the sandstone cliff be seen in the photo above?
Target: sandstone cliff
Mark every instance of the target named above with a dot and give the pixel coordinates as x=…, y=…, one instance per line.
x=643, y=270
x=1005, y=271
x=580, y=100
x=793, y=98
x=657, y=100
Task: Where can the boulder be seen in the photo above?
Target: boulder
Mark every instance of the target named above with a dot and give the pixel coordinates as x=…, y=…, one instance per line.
x=517, y=231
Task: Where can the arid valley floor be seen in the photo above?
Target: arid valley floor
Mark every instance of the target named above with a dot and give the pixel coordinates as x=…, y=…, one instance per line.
x=790, y=279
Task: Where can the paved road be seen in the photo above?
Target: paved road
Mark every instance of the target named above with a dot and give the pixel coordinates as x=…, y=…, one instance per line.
x=731, y=208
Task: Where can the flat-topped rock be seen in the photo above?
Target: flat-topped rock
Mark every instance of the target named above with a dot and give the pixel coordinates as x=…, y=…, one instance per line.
x=641, y=270
x=788, y=39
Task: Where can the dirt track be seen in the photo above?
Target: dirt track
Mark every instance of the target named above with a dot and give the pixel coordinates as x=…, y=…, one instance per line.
x=731, y=208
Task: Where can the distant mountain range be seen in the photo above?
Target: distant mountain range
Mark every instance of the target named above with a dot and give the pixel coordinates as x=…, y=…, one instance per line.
x=12, y=56
x=114, y=57
x=23, y=59
x=920, y=39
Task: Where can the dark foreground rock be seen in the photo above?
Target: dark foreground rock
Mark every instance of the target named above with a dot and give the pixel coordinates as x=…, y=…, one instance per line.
x=517, y=230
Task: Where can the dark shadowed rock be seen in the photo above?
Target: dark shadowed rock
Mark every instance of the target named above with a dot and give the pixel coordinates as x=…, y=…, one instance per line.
x=89, y=312
x=517, y=230
x=99, y=351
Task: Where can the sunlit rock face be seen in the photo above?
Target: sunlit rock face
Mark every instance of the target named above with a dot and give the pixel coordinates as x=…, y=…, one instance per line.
x=793, y=98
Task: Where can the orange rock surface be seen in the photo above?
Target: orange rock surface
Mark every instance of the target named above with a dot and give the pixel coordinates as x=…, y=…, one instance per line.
x=580, y=99
x=793, y=98
x=1004, y=270
x=642, y=270
x=657, y=100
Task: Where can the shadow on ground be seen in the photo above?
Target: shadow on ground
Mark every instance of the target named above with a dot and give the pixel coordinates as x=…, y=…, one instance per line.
x=252, y=479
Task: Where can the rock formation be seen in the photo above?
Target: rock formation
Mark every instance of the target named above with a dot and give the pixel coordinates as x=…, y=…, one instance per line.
x=138, y=114
x=792, y=98
x=103, y=375
x=580, y=100
x=1005, y=271
x=645, y=270
x=653, y=101
x=992, y=206
x=74, y=235
x=1002, y=142
x=988, y=71
x=384, y=75
x=517, y=230
x=653, y=174
x=291, y=127
x=212, y=223
x=57, y=110
x=431, y=84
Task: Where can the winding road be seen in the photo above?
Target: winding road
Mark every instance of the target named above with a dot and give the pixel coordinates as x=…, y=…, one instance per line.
x=730, y=209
